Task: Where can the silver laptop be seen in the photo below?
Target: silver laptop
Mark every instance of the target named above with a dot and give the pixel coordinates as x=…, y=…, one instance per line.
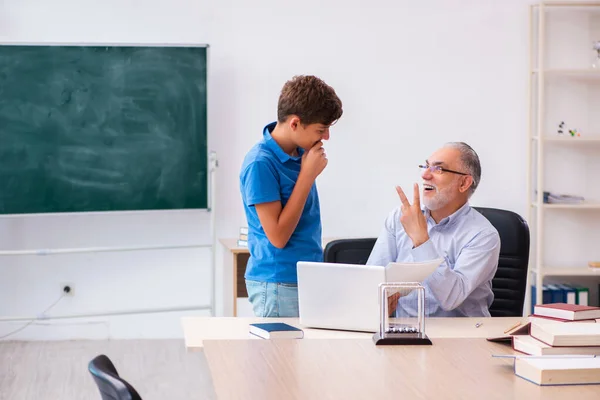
x=339, y=296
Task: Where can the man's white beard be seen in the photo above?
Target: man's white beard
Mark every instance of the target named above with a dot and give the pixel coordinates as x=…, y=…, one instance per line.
x=436, y=202
x=440, y=200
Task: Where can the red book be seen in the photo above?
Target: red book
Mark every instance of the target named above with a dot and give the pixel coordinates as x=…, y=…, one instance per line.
x=572, y=312
x=533, y=317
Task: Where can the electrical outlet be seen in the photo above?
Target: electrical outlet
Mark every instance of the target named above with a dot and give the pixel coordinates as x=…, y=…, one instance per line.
x=68, y=289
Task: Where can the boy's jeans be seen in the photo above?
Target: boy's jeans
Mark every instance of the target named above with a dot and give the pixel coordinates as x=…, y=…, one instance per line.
x=271, y=299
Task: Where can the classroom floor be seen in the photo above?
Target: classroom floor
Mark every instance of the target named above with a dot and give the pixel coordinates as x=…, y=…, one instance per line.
x=158, y=369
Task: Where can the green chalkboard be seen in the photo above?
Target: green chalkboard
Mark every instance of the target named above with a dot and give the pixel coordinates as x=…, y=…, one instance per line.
x=97, y=128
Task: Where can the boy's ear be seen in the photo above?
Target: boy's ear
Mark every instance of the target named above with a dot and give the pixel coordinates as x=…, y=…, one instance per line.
x=294, y=123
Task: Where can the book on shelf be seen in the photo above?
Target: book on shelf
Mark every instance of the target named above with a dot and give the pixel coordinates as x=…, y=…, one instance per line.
x=569, y=294
x=244, y=230
x=573, y=312
x=583, y=295
x=554, y=370
x=561, y=293
x=242, y=243
x=276, y=330
x=558, y=198
x=565, y=334
x=527, y=344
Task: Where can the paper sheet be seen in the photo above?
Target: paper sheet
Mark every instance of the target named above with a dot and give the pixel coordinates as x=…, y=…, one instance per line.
x=411, y=272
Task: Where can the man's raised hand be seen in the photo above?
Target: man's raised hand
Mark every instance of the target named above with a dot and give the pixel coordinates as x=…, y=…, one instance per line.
x=412, y=218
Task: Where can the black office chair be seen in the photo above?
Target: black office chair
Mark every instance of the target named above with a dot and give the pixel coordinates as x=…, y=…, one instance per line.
x=349, y=251
x=510, y=282
x=110, y=384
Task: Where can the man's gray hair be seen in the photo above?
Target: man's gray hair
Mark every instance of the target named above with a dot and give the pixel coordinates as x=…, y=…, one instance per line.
x=470, y=161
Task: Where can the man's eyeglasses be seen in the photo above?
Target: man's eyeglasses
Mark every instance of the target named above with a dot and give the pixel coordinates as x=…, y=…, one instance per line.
x=436, y=169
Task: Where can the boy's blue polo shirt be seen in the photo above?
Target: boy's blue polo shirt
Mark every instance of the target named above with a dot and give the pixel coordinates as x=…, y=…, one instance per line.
x=269, y=174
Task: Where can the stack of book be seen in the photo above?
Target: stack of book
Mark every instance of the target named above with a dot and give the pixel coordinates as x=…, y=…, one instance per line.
x=562, y=339
x=551, y=322
x=243, y=238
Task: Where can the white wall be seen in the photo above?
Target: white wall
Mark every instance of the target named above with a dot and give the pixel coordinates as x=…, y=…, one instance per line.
x=411, y=76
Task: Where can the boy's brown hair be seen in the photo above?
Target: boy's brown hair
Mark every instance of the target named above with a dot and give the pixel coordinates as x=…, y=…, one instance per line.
x=311, y=99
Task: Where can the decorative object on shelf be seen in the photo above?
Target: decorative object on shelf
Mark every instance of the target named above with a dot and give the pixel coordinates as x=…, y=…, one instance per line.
x=596, y=55
x=574, y=132
x=561, y=126
x=594, y=264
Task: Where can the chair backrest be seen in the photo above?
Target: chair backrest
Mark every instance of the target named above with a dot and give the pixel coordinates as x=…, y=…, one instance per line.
x=349, y=251
x=110, y=384
x=510, y=282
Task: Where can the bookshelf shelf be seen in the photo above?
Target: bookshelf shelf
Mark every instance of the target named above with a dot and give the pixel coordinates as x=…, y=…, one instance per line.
x=570, y=271
x=591, y=74
x=575, y=141
x=582, y=206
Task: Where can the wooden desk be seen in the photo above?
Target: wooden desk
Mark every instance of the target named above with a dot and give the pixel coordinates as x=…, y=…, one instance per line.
x=198, y=329
x=237, y=257
x=357, y=369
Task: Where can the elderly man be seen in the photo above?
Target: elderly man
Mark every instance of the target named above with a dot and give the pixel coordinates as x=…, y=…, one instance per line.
x=448, y=228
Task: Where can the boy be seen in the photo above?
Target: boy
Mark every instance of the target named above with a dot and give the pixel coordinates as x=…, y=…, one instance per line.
x=281, y=202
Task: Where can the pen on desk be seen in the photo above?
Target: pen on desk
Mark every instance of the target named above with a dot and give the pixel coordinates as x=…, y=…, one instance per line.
x=477, y=325
x=512, y=327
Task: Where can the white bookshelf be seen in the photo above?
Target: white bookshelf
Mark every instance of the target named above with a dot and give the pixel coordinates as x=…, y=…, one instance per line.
x=563, y=86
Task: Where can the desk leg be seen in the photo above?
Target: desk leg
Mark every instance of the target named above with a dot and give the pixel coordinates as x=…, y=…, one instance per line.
x=235, y=284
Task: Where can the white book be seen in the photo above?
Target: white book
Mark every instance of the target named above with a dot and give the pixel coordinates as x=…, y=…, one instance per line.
x=559, y=371
x=530, y=345
x=566, y=333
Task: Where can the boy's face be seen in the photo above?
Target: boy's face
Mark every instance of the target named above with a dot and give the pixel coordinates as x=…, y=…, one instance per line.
x=306, y=136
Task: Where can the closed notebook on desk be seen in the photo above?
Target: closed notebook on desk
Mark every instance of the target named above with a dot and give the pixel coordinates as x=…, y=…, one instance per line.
x=276, y=330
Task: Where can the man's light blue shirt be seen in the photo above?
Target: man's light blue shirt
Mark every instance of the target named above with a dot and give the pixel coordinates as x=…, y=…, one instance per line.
x=269, y=174
x=462, y=285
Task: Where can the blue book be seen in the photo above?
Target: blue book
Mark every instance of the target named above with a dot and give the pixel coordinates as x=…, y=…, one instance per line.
x=546, y=296
x=557, y=294
x=276, y=330
x=570, y=294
